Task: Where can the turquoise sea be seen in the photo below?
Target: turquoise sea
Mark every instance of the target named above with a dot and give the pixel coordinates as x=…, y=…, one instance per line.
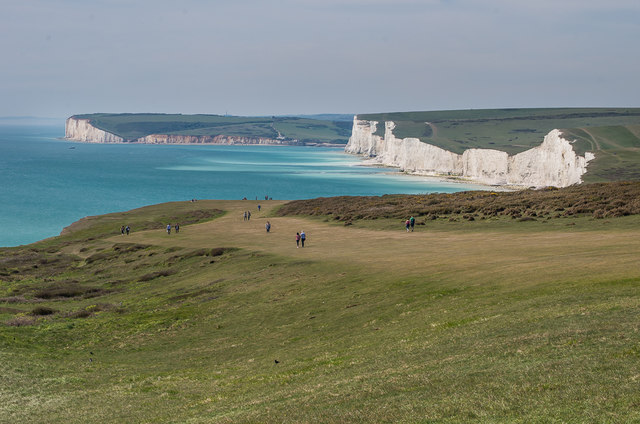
x=48, y=183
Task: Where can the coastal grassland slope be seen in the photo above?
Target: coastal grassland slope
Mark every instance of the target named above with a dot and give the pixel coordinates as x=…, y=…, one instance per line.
x=611, y=133
x=598, y=200
x=135, y=126
x=491, y=320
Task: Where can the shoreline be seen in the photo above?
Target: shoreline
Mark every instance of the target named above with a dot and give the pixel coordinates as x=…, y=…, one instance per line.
x=372, y=163
x=332, y=145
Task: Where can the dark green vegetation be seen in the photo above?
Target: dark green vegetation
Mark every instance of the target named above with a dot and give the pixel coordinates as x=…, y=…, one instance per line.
x=603, y=200
x=612, y=134
x=131, y=126
x=494, y=320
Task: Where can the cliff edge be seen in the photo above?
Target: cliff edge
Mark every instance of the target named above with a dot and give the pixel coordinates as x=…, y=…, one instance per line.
x=553, y=163
x=81, y=129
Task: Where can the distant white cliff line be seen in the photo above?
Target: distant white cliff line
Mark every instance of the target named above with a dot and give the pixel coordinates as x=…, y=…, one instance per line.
x=77, y=129
x=553, y=163
x=81, y=130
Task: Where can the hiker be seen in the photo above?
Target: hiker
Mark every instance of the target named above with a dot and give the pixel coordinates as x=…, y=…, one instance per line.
x=177, y=228
x=412, y=221
x=245, y=215
x=258, y=208
x=248, y=215
x=268, y=226
x=407, y=224
x=297, y=240
x=303, y=237
x=128, y=230
x=122, y=230
x=169, y=229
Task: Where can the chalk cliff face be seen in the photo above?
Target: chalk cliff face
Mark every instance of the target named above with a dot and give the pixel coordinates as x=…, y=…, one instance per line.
x=206, y=139
x=553, y=163
x=82, y=130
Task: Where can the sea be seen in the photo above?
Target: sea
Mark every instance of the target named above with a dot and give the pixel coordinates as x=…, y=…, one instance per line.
x=47, y=183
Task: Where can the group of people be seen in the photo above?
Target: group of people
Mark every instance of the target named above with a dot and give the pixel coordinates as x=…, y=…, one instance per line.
x=125, y=230
x=177, y=228
x=300, y=238
x=247, y=215
x=410, y=223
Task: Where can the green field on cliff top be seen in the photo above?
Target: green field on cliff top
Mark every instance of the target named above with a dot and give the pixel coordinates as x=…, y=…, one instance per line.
x=500, y=307
x=131, y=126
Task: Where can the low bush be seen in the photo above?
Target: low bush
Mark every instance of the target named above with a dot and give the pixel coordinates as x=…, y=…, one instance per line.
x=156, y=274
x=600, y=200
x=43, y=310
x=21, y=321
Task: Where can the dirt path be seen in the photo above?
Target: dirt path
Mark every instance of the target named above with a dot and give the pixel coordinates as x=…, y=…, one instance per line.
x=434, y=129
x=416, y=253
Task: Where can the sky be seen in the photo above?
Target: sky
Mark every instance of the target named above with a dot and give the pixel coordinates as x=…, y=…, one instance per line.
x=250, y=57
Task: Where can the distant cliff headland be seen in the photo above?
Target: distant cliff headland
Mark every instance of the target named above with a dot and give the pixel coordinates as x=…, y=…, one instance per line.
x=207, y=129
x=516, y=147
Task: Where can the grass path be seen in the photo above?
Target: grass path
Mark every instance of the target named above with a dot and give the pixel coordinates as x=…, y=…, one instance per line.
x=422, y=252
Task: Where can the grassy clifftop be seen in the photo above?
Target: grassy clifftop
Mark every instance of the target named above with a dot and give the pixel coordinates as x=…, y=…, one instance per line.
x=491, y=320
x=131, y=126
x=613, y=134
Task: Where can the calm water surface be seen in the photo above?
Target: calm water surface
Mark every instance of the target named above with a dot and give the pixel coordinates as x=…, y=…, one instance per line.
x=47, y=183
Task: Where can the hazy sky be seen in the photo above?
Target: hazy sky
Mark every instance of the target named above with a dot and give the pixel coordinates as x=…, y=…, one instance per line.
x=249, y=57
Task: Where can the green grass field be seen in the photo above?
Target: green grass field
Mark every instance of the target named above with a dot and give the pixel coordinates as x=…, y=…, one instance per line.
x=491, y=320
x=131, y=126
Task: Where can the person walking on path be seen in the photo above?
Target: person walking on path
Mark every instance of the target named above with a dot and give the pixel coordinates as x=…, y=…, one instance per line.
x=412, y=221
x=407, y=224
x=303, y=237
x=248, y=215
x=122, y=230
x=258, y=208
x=268, y=226
x=245, y=215
x=127, y=230
x=177, y=228
x=168, y=228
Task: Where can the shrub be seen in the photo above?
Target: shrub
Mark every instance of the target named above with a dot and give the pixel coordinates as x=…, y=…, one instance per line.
x=21, y=321
x=217, y=251
x=42, y=310
x=80, y=314
x=156, y=274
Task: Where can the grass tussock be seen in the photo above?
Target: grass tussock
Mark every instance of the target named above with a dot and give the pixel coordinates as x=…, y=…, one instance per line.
x=604, y=200
x=68, y=289
x=216, y=251
x=157, y=274
x=21, y=321
x=129, y=247
x=90, y=310
x=42, y=310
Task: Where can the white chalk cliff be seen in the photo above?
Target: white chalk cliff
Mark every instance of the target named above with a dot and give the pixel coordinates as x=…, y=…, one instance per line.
x=553, y=163
x=82, y=130
x=77, y=129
